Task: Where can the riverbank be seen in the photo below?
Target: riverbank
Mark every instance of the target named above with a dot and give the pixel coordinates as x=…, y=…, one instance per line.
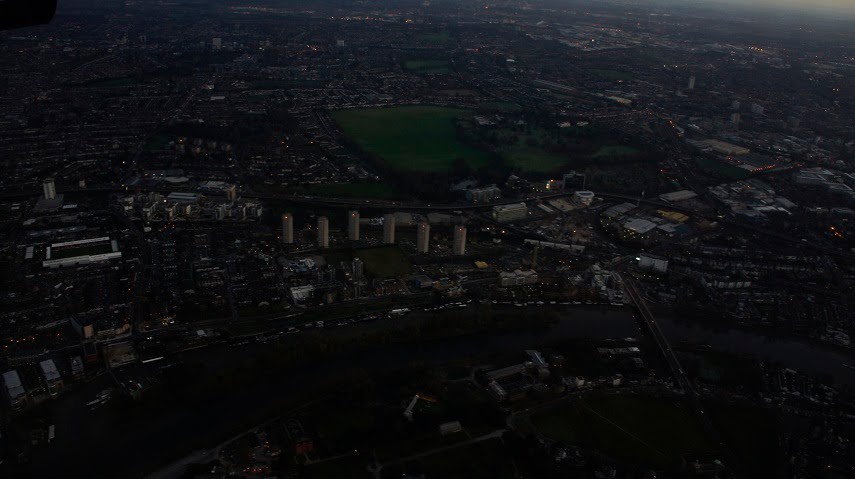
x=225, y=390
x=803, y=354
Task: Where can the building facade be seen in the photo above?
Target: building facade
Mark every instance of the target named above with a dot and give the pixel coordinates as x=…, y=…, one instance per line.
x=357, y=269
x=423, y=238
x=459, y=246
x=15, y=391
x=323, y=232
x=484, y=195
x=353, y=226
x=389, y=228
x=287, y=228
x=50, y=189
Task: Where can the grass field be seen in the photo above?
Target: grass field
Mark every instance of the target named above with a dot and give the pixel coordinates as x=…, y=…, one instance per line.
x=380, y=262
x=439, y=38
x=410, y=138
x=416, y=443
x=354, y=190
x=532, y=159
x=384, y=261
x=641, y=430
x=752, y=434
x=485, y=459
x=351, y=466
x=436, y=67
x=614, y=150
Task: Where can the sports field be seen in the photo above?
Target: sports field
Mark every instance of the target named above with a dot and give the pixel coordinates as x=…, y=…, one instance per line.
x=436, y=67
x=642, y=430
x=532, y=159
x=384, y=261
x=614, y=150
x=439, y=38
x=387, y=261
x=410, y=138
x=535, y=159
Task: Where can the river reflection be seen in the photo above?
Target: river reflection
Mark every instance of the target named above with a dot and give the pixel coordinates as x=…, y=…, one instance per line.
x=795, y=353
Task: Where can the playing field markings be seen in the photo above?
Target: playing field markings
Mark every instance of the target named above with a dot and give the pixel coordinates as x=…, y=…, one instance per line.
x=628, y=433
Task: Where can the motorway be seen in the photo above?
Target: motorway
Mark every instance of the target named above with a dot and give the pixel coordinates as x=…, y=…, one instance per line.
x=451, y=207
x=349, y=202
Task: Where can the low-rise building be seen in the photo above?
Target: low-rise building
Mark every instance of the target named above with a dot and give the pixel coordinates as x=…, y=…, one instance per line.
x=653, y=262
x=639, y=226
x=484, y=195
x=508, y=213
x=451, y=427
x=681, y=195
x=51, y=376
x=81, y=252
x=15, y=391
x=517, y=277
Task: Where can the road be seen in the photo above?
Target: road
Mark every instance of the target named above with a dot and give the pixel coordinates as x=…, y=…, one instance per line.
x=313, y=200
x=422, y=206
x=143, y=275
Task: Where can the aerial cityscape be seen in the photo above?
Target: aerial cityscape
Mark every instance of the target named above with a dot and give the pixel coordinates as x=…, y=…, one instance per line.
x=428, y=239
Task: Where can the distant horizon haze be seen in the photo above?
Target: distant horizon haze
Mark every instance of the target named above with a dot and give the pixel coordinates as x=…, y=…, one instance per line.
x=817, y=6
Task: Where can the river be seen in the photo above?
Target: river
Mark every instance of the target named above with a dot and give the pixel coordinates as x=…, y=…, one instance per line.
x=795, y=353
x=105, y=443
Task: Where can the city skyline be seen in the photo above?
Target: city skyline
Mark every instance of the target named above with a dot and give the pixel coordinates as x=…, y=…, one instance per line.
x=428, y=239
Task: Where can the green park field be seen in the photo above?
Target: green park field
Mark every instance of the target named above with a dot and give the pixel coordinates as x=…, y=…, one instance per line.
x=435, y=67
x=387, y=261
x=614, y=150
x=532, y=159
x=438, y=38
x=642, y=430
x=410, y=138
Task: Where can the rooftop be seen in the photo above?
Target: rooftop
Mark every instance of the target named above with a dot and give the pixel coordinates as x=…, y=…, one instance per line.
x=639, y=225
